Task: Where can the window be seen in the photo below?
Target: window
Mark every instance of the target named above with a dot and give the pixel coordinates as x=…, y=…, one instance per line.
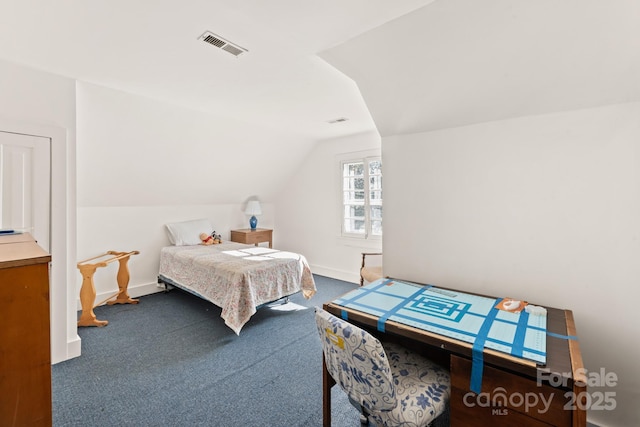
x=362, y=197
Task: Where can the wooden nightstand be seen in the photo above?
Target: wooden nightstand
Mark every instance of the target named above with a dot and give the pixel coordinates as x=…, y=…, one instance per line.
x=248, y=236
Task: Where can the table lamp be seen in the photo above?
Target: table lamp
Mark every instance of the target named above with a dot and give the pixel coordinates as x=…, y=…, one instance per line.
x=253, y=209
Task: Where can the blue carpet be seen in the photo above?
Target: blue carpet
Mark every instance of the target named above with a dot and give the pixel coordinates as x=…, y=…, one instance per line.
x=170, y=360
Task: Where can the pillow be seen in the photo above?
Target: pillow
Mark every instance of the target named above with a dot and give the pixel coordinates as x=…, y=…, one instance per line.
x=188, y=232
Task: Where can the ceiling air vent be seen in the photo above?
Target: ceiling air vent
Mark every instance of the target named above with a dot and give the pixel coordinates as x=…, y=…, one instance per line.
x=219, y=42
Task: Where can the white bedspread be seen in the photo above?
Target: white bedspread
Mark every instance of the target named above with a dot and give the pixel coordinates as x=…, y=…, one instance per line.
x=237, y=277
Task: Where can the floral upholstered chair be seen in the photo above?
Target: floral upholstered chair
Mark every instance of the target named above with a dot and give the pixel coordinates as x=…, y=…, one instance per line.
x=391, y=385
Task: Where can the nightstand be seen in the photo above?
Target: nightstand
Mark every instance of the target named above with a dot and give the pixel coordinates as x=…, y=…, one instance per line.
x=248, y=236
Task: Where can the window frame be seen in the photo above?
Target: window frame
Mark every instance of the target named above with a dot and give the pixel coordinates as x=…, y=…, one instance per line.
x=365, y=160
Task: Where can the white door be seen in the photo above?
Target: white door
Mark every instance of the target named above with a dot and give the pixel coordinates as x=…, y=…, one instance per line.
x=25, y=189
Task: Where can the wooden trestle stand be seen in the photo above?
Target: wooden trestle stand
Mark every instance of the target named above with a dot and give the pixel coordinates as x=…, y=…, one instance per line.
x=88, y=289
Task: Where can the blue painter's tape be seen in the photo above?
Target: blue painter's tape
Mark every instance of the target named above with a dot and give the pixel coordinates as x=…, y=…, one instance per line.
x=363, y=290
x=477, y=367
x=521, y=332
x=477, y=364
x=344, y=314
x=562, y=337
x=383, y=319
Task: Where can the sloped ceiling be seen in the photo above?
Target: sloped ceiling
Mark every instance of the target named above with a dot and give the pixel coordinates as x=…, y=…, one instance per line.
x=459, y=62
x=151, y=48
x=402, y=66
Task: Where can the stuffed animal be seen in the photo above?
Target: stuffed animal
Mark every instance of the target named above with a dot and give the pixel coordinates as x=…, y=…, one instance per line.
x=206, y=239
x=212, y=239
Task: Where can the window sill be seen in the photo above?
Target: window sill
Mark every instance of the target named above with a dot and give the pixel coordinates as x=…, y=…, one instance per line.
x=360, y=242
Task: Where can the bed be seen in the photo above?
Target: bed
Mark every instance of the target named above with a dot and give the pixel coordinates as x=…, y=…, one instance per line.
x=236, y=277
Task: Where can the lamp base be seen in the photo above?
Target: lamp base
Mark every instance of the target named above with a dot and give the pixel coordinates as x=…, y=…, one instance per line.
x=253, y=222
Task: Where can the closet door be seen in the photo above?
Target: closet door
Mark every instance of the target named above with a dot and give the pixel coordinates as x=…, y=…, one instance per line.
x=25, y=193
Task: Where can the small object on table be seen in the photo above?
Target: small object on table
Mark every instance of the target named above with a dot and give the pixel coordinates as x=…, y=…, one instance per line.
x=535, y=310
x=7, y=232
x=511, y=305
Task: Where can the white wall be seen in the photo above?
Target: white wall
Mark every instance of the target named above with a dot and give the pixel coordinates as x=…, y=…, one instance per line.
x=143, y=163
x=309, y=209
x=43, y=104
x=543, y=208
x=142, y=228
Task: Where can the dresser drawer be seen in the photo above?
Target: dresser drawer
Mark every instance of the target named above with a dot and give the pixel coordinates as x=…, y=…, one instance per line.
x=506, y=399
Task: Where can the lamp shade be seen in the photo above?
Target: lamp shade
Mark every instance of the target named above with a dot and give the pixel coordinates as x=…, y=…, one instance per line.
x=253, y=208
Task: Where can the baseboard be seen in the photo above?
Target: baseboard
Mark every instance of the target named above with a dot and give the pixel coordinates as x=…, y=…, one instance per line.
x=347, y=276
x=73, y=350
x=135, y=291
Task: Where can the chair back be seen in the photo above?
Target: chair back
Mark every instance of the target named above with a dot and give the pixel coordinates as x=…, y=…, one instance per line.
x=357, y=362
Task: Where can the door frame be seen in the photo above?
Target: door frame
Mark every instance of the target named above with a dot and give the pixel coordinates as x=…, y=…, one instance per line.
x=41, y=164
x=65, y=342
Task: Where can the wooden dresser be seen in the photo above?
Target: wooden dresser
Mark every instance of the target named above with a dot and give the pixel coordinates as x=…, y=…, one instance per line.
x=25, y=351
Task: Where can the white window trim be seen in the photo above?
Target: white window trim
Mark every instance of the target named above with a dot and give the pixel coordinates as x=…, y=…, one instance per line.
x=358, y=157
